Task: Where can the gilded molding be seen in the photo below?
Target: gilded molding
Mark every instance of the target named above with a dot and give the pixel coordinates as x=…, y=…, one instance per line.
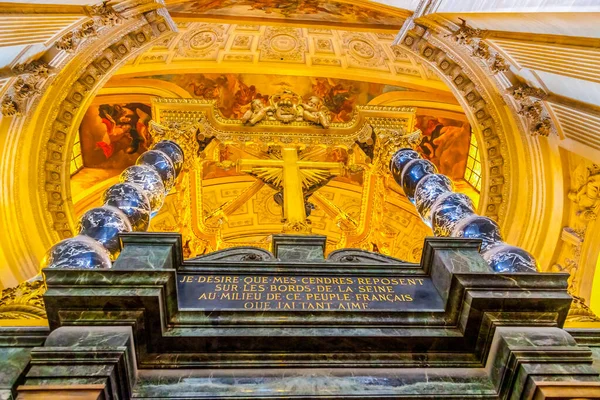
x=152, y=26
x=24, y=301
x=204, y=116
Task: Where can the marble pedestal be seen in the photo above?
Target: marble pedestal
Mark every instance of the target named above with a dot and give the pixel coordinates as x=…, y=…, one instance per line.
x=472, y=334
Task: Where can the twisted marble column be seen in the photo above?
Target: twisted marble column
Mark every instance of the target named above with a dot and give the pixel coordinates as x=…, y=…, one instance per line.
x=128, y=206
x=453, y=214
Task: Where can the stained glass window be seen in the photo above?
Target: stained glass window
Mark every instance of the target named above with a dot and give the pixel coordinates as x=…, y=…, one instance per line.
x=76, y=159
x=473, y=170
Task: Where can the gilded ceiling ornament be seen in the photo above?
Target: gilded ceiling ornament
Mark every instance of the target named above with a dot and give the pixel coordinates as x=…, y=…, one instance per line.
x=70, y=41
x=363, y=52
x=288, y=107
x=9, y=106
x=282, y=44
x=522, y=92
x=473, y=39
x=315, y=111
x=532, y=109
x=326, y=61
x=536, y=115
x=256, y=113
x=323, y=45
x=203, y=41
x=242, y=42
x=497, y=63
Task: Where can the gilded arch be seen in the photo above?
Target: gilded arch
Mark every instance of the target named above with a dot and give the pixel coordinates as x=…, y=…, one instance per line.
x=56, y=116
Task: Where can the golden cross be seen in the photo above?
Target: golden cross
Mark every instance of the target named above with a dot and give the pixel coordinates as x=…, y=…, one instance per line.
x=295, y=176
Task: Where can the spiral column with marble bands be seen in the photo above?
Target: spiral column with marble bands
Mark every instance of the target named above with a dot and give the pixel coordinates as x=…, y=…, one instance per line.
x=453, y=214
x=128, y=206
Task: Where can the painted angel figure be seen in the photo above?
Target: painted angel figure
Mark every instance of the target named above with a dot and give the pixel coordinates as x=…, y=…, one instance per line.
x=315, y=111
x=257, y=112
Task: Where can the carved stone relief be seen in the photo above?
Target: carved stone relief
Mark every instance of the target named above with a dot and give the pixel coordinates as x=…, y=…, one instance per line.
x=323, y=45
x=203, y=42
x=586, y=196
x=363, y=52
x=242, y=42
x=30, y=78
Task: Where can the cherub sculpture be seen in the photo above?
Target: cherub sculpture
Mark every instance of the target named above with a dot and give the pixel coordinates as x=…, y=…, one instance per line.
x=315, y=111
x=587, y=196
x=257, y=112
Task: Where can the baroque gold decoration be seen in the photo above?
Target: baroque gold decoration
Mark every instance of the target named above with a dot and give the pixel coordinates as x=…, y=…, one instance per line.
x=294, y=176
x=286, y=110
x=203, y=42
x=294, y=147
x=282, y=44
x=363, y=52
x=587, y=196
x=24, y=301
x=31, y=77
x=465, y=34
x=288, y=107
x=532, y=109
x=70, y=41
x=473, y=39
x=105, y=13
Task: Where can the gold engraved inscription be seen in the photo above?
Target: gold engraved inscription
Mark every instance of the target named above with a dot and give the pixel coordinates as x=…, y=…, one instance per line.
x=301, y=293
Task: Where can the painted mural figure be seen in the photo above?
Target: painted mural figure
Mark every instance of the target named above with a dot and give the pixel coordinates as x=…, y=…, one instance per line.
x=315, y=111
x=445, y=142
x=124, y=120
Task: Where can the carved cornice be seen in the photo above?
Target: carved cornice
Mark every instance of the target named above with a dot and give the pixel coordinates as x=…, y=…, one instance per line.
x=535, y=114
x=204, y=116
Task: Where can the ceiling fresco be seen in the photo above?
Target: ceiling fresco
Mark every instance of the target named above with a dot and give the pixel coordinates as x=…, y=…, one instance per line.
x=234, y=92
x=114, y=135
x=297, y=10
